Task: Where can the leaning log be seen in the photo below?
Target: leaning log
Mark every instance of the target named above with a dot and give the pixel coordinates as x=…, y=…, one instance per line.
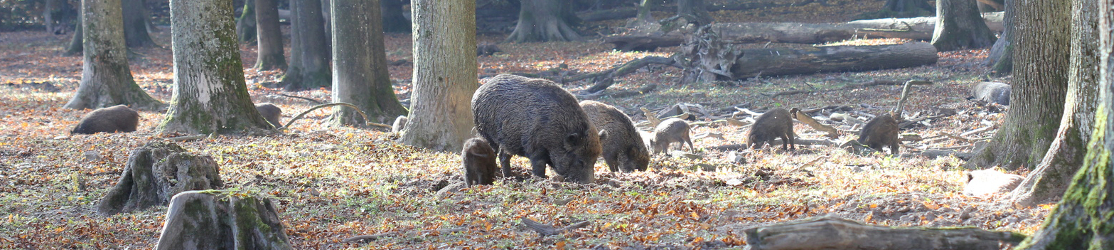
x=835, y=233
x=786, y=61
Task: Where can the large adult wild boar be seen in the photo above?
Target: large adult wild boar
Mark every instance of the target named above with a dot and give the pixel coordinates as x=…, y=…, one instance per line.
x=623, y=148
x=537, y=119
x=113, y=119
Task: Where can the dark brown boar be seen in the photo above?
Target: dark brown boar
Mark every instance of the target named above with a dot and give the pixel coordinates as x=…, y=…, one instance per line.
x=537, y=119
x=113, y=119
x=479, y=162
x=669, y=131
x=623, y=148
x=270, y=112
x=775, y=123
x=881, y=131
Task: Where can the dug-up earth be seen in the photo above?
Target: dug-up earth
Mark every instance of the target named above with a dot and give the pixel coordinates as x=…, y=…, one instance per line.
x=332, y=183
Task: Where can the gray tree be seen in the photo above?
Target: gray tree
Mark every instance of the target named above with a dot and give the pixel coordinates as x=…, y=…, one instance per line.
x=269, y=50
x=106, y=79
x=245, y=25
x=309, y=63
x=444, y=74
x=959, y=25
x=543, y=20
x=360, y=74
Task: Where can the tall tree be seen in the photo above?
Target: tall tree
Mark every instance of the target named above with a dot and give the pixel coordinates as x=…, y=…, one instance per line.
x=393, y=18
x=444, y=74
x=210, y=94
x=75, y=46
x=135, y=24
x=1082, y=218
x=269, y=52
x=1041, y=50
x=1000, y=58
x=959, y=25
x=313, y=65
x=695, y=10
x=1051, y=177
x=245, y=25
x=105, y=77
x=543, y=20
x=360, y=74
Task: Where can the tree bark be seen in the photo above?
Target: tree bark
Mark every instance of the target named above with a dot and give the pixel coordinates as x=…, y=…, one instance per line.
x=1000, y=58
x=214, y=219
x=245, y=25
x=106, y=79
x=959, y=26
x=75, y=46
x=135, y=24
x=1082, y=218
x=1051, y=177
x=1039, y=87
x=544, y=20
x=644, y=10
x=314, y=64
x=694, y=9
x=270, y=52
x=444, y=74
x=210, y=95
x=294, y=66
x=48, y=15
x=360, y=74
x=393, y=19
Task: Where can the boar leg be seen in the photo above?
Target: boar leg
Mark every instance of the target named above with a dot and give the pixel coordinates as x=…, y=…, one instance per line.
x=538, y=161
x=505, y=161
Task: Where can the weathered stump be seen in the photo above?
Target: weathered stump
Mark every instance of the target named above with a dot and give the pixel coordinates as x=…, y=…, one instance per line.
x=155, y=173
x=213, y=219
x=835, y=233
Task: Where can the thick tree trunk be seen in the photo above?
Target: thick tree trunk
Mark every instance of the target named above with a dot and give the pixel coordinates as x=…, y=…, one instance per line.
x=75, y=46
x=694, y=9
x=105, y=77
x=269, y=37
x=135, y=24
x=1051, y=177
x=393, y=19
x=444, y=74
x=312, y=47
x=210, y=95
x=294, y=65
x=360, y=74
x=544, y=20
x=155, y=173
x=959, y=26
x=1082, y=218
x=213, y=219
x=1000, y=58
x=1039, y=88
x=245, y=25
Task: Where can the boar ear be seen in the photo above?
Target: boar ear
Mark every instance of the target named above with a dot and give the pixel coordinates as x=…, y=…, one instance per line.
x=603, y=134
x=572, y=138
x=970, y=177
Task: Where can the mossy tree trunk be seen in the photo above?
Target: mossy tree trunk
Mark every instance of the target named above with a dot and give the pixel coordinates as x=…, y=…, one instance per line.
x=360, y=74
x=269, y=37
x=217, y=219
x=75, y=46
x=210, y=95
x=393, y=19
x=1051, y=177
x=105, y=77
x=444, y=74
x=313, y=66
x=959, y=25
x=1082, y=219
x=1000, y=58
x=135, y=24
x=245, y=25
x=644, y=9
x=1040, y=82
x=543, y=20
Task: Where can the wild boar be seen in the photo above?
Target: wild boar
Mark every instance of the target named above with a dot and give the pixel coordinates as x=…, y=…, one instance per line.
x=479, y=162
x=669, y=131
x=113, y=119
x=623, y=148
x=775, y=123
x=270, y=112
x=881, y=131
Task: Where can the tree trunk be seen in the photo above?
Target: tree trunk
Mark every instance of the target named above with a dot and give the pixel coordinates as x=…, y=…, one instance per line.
x=543, y=20
x=1000, y=58
x=444, y=74
x=135, y=24
x=644, y=11
x=245, y=25
x=360, y=74
x=393, y=19
x=48, y=15
x=1082, y=218
x=959, y=26
x=694, y=9
x=1051, y=177
x=155, y=173
x=1039, y=87
x=314, y=62
x=269, y=37
x=75, y=47
x=106, y=79
x=210, y=95
x=212, y=219
x=293, y=72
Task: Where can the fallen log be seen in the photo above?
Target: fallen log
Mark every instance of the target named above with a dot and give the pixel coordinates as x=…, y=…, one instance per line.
x=836, y=233
x=606, y=78
x=785, y=61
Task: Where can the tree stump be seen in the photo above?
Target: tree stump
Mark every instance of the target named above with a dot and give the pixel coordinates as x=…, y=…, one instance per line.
x=835, y=233
x=155, y=173
x=213, y=219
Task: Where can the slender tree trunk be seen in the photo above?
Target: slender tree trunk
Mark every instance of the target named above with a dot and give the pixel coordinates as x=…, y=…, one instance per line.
x=543, y=20
x=1082, y=218
x=105, y=77
x=245, y=25
x=210, y=95
x=444, y=74
x=1039, y=86
x=360, y=74
x=135, y=24
x=1052, y=176
x=393, y=20
x=959, y=25
x=312, y=47
x=75, y=47
x=48, y=15
x=695, y=9
x=1000, y=58
x=269, y=52
x=294, y=65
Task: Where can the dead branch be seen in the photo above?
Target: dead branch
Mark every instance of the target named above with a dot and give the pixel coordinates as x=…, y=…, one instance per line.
x=804, y=118
x=367, y=122
x=188, y=137
x=371, y=237
x=980, y=130
x=650, y=117
x=604, y=79
x=547, y=230
x=314, y=101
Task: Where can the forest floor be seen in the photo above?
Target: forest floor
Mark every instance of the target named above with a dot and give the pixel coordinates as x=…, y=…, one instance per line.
x=332, y=183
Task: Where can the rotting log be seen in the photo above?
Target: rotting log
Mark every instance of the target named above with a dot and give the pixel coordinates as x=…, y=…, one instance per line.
x=836, y=233
x=785, y=61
